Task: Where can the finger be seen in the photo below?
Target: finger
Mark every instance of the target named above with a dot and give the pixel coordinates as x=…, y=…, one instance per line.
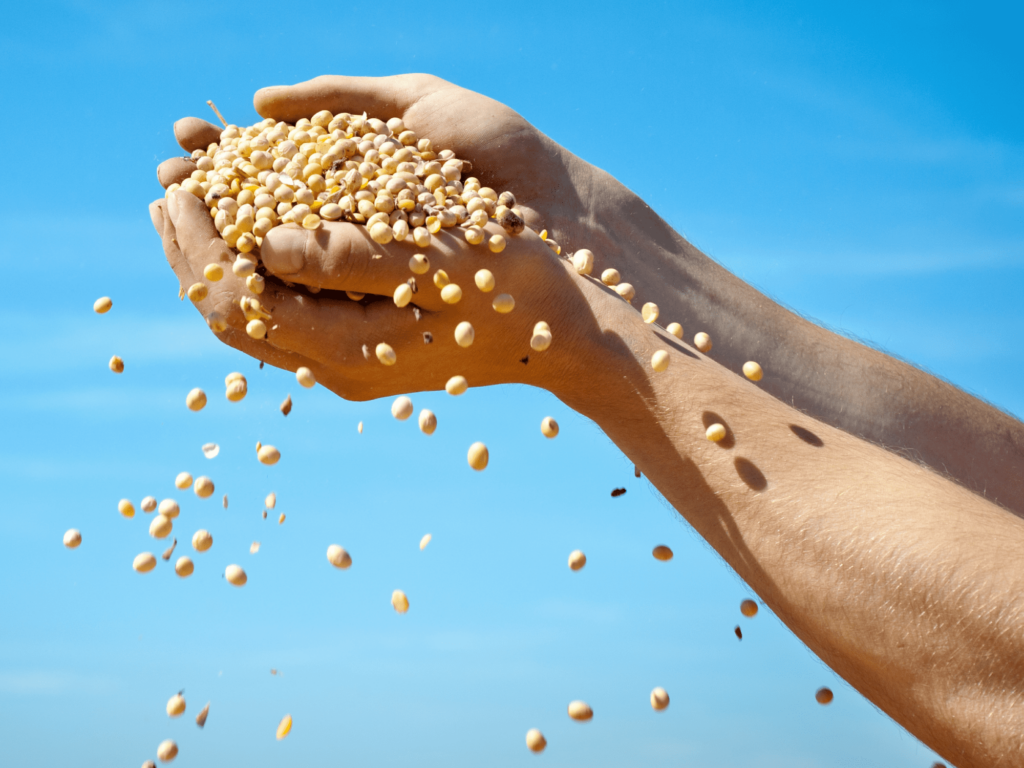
x=174, y=171
x=378, y=96
x=193, y=133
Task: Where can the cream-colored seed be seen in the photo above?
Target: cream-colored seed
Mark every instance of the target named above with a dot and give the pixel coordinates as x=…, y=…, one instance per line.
x=663, y=553
x=496, y=243
x=305, y=377
x=419, y=264
x=402, y=408
x=626, y=291
x=748, y=608
x=216, y=322
x=271, y=501
x=102, y=305
x=583, y=261
x=202, y=540
x=243, y=267
x=183, y=480
x=675, y=329
x=175, y=705
x=428, y=422
x=72, y=538
x=399, y=601
x=184, y=567
x=160, y=527
x=268, y=454
x=659, y=360
x=386, y=354
x=421, y=236
x=338, y=557
x=167, y=751
x=478, y=456
x=284, y=727
x=659, y=699
x=540, y=340
x=610, y=277
x=381, y=233
x=424, y=541
x=823, y=696
x=549, y=427
x=126, y=508
x=236, y=390
x=116, y=364
x=235, y=575
x=451, y=294
x=213, y=272
x=464, y=333
x=148, y=504
x=535, y=740
x=203, y=487
x=169, y=508
x=195, y=400
x=484, y=280
x=580, y=711
x=503, y=303
x=441, y=279
x=257, y=329
x=649, y=312
x=752, y=370
x=702, y=342
x=474, y=235
x=456, y=385
x=145, y=562
x=403, y=295
x=577, y=560
x=715, y=433
x=311, y=221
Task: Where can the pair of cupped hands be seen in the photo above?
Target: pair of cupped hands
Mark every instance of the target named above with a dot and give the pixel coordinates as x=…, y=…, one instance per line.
x=336, y=337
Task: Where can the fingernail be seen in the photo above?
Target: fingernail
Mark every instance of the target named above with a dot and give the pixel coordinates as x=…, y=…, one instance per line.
x=284, y=250
x=172, y=206
x=157, y=217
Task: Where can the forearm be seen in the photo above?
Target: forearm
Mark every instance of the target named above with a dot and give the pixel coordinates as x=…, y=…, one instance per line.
x=835, y=379
x=901, y=581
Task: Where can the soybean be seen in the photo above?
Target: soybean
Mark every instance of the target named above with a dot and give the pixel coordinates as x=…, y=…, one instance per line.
x=583, y=261
x=183, y=480
x=195, y=400
x=213, y=272
x=580, y=711
x=167, y=751
x=456, y=385
x=478, y=456
x=535, y=740
x=144, y=563
x=626, y=291
x=338, y=557
x=464, y=333
x=386, y=354
x=268, y=454
x=148, y=504
x=235, y=575
x=402, y=408
x=484, y=280
x=126, y=508
x=197, y=292
x=748, y=608
x=202, y=540
x=577, y=560
x=399, y=601
x=116, y=364
x=451, y=294
x=659, y=360
x=424, y=541
x=702, y=342
x=271, y=501
x=659, y=699
x=102, y=305
x=169, y=508
x=752, y=370
x=160, y=527
x=428, y=422
x=610, y=277
x=663, y=553
x=503, y=303
x=715, y=433
x=675, y=329
x=650, y=312
x=203, y=487
x=184, y=567
x=823, y=696
x=72, y=538
x=403, y=295
x=549, y=427
x=496, y=244
x=305, y=377
x=419, y=264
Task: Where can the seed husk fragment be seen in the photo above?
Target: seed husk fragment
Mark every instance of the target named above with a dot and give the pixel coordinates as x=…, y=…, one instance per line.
x=195, y=400
x=116, y=364
x=255, y=546
x=659, y=699
x=201, y=717
x=271, y=501
x=424, y=541
x=286, y=406
x=549, y=427
x=478, y=456
x=616, y=492
x=280, y=518
x=738, y=632
x=577, y=560
x=535, y=740
x=338, y=557
x=144, y=563
x=169, y=551
x=72, y=538
x=580, y=711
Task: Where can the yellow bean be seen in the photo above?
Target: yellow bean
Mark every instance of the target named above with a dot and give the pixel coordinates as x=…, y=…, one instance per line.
x=549, y=427
x=484, y=280
x=663, y=553
x=160, y=527
x=202, y=540
x=610, y=277
x=399, y=601
x=540, y=340
x=175, y=705
x=428, y=422
x=474, y=235
x=268, y=455
x=311, y=221
x=583, y=261
x=195, y=399
x=419, y=264
x=203, y=487
x=102, y=305
x=535, y=740
x=183, y=480
x=464, y=333
x=126, y=508
x=386, y=354
x=451, y=294
x=456, y=385
x=577, y=560
x=305, y=377
x=167, y=751
x=626, y=291
x=144, y=563
x=72, y=538
x=748, y=608
x=715, y=433
x=503, y=303
x=496, y=244
x=338, y=557
x=421, y=236
x=257, y=329
x=659, y=360
x=752, y=370
x=169, y=508
x=580, y=711
x=243, y=267
x=403, y=295
x=116, y=364
x=649, y=312
x=213, y=272
x=441, y=278
x=478, y=456
x=184, y=567
x=659, y=699
x=235, y=575
x=675, y=329
x=381, y=233
x=402, y=408
x=702, y=342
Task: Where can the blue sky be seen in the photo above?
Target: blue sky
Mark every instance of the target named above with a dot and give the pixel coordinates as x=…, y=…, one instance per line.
x=863, y=164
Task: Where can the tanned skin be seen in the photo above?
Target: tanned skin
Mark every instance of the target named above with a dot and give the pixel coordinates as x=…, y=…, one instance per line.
x=865, y=501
